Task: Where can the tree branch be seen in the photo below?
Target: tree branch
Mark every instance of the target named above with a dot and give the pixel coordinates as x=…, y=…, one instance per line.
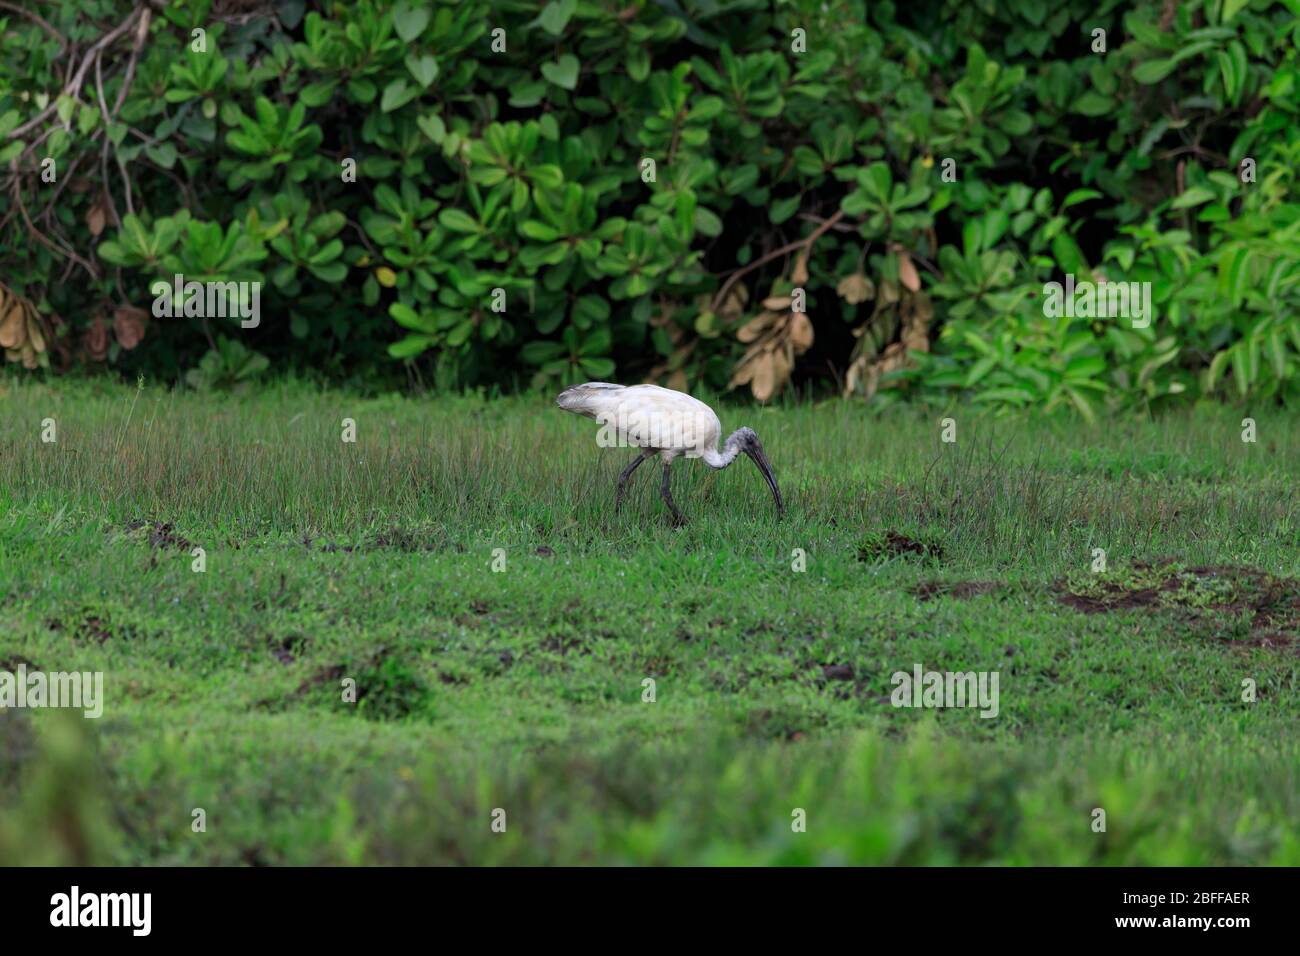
x=774, y=254
x=79, y=77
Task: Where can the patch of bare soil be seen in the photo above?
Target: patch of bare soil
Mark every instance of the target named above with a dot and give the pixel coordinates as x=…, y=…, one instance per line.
x=881, y=546
x=160, y=534
x=1269, y=605
x=89, y=624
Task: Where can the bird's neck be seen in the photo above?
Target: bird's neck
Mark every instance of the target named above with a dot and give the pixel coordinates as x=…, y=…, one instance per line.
x=721, y=459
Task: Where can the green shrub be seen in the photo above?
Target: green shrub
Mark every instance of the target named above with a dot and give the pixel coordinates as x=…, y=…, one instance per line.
x=499, y=194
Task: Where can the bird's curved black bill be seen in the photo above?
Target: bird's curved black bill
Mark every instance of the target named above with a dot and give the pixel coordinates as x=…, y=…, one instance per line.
x=755, y=451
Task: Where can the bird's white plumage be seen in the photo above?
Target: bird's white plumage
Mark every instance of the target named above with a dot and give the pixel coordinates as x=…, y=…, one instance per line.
x=648, y=416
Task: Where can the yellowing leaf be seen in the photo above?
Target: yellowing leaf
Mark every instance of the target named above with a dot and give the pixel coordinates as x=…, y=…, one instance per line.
x=754, y=327
x=763, y=383
x=907, y=272
x=855, y=289
x=801, y=332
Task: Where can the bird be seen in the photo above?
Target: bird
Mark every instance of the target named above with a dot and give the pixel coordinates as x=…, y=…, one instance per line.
x=664, y=422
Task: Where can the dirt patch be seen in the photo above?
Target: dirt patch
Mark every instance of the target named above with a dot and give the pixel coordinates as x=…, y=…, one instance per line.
x=160, y=534
x=962, y=590
x=881, y=546
x=322, y=677
x=474, y=617
x=563, y=643
x=1274, y=642
x=11, y=663
x=386, y=686
x=92, y=625
x=286, y=649
x=1268, y=605
x=837, y=672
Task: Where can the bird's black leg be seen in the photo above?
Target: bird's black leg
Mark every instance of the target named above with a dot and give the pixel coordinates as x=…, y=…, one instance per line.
x=668, y=498
x=622, y=479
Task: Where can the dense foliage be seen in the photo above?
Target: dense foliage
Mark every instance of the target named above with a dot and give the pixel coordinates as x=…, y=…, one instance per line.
x=696, y=192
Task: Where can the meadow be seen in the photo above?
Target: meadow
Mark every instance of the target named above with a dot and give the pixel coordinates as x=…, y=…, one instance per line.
x=461, y=564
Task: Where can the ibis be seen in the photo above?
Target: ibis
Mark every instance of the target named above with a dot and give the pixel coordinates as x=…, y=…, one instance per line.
x=669, y=424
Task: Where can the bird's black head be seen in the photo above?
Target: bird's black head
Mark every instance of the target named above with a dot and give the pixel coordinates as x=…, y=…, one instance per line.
x=747, y=441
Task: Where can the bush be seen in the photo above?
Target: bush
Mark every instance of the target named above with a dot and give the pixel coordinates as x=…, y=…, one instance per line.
x=696, y=193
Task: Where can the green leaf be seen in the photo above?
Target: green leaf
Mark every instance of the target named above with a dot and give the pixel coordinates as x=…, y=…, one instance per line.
x=1153, y=71
x=424, y=68
x=1234, y=273
x=555, y=15
x=1233, y=67
x=535, y=353
x=1016, y=122
x=1068, y=255
x=458, y=221
x=333, y=273
x=410, y=346
x=563, y=73
x=1078, y=196
x=1194, y=196
x=1277, y=353
x=1093, y=103
x=638, y=64
x=993, y=227
x=317, y=94
x=164, y=154
x=396, y=95
x=460, y=333
x=64, y=106
x=1215, y=371
x=1081, y=403
x=540, y=231
x=783, y=209
x=410, y=20
x=406, y=316
x=432, y=127
x=1232, y=7
x=876, y=179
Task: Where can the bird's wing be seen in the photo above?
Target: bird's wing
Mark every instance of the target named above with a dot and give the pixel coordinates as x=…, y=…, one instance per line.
x=587, y=399
x=646, y=416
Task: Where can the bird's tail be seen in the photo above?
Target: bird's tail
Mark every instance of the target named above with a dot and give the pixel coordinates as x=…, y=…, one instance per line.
x=580, y=398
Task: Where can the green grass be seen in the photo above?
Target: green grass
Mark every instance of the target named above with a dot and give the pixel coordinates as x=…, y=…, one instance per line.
x=522, y=689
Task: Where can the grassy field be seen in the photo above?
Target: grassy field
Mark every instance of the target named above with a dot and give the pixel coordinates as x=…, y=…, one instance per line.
x=523, y=689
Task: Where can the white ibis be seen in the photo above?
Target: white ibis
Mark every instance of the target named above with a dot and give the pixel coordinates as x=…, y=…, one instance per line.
x=666, y=423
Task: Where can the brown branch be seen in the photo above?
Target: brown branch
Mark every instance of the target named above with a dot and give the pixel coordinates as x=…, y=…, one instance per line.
x=68, y=253
x=108, y=139
x=141, y=32
x=79, y=76
x=774, y=254
x=838, y=227
x=1198, y=150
